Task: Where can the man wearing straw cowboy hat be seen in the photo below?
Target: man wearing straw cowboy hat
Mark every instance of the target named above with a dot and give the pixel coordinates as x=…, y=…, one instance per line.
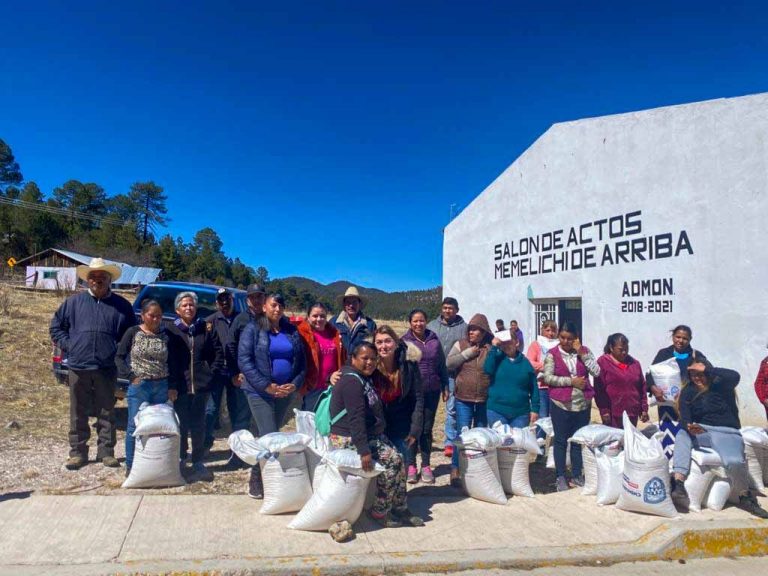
x=352, y=324
x=88, y=326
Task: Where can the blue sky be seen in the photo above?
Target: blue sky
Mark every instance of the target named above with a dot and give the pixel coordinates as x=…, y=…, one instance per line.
x=329, y=139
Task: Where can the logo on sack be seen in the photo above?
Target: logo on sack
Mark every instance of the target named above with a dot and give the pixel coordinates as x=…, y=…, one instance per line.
x=655, y=491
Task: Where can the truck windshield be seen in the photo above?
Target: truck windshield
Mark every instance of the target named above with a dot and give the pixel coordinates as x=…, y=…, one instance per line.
x=165, y=295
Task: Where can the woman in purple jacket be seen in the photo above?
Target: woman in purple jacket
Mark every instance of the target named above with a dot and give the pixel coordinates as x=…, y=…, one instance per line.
x=621, y=385
x=434, y=379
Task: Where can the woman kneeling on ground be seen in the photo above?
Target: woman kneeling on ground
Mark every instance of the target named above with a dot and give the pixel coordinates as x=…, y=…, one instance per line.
x=362, y=428
x=567, y=368
x=709, y=418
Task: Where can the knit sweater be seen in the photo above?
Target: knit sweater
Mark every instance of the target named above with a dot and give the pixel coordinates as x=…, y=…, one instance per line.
x=513, y=391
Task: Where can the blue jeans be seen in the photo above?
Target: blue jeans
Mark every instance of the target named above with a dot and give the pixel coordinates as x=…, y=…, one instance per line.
x=237, y=406
x=543, y=410
x=472, y=415
x=522, y=421
x=152, y=391
x=399, y=443
x=450, y=414
x=565, y=425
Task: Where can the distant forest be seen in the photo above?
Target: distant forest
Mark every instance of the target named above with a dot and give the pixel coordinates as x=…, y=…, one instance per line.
x=81, y=217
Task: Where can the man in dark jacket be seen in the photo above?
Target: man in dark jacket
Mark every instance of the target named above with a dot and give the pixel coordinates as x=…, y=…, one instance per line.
x=197, y=354
x=256, y=296
x=225, y=375
x=450, y=328
x=352, y=324
x=87, y=327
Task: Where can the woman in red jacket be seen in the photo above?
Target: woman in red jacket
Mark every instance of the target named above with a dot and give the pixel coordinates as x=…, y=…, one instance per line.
x=324, y=354
x=761, y=384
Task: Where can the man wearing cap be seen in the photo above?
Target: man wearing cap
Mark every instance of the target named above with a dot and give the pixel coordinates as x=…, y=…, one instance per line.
x=352, y=324
x=256, y=295
x=221, y=322
x=450, y=328
x=87, y=327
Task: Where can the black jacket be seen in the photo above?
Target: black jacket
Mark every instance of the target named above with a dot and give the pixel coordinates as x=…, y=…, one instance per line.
x=405, y=415
x=364, y=419
x=239, y=324
x=715, y=407
x=223, y=327
x=88, y=329
x=195, y=355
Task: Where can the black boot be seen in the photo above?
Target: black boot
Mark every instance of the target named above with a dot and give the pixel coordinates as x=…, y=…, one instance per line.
x=679, y=495
x=749, y=503
x=255, y=485
x=234, y=463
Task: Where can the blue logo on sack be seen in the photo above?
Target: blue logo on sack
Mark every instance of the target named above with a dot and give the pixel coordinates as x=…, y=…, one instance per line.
x=655, y=491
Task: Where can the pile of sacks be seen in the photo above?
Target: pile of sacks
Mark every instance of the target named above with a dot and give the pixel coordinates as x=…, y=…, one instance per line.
x=603, y=460
x=494, y=462
x=300, y=474
x=156, y=457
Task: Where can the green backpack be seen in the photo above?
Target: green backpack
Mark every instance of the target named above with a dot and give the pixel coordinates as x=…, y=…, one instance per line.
x=323, y=420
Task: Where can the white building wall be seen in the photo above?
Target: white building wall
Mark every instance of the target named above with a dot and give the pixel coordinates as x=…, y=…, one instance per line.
x=64, y=279
x=697, y=171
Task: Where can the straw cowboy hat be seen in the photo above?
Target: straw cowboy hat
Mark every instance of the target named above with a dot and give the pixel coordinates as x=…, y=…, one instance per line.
x=352, y=292
x=98, y=265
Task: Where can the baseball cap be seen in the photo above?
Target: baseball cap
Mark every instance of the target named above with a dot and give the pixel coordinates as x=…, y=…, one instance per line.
x=223, y=294
x=255, y=288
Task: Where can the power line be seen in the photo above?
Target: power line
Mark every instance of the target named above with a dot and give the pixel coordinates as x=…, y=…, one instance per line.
x=61, y=211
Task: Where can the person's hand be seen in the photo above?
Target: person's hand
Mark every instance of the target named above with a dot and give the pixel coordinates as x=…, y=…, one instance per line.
x=238, y=380
x=578, y=347
x=288, y=389
x=410, y=440
x=367, y=462
x=697, y=367
x=644, y=417
x=533, y=417
x=695, y=429
x=446, y=394
x=274, y=390
x=578, y=382
x=496, y=341
x=136, y=381
x=173, y=395
x=657, y=393
x=472, y=352
x=606, y=418
x=335, y=377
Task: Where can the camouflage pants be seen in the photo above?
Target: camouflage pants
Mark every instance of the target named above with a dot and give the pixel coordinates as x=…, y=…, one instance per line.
x=390, y=484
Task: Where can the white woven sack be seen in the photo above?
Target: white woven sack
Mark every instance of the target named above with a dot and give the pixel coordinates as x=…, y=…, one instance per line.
x=480, y=475
x=646, y=481
x=610, y=471
x=305, y=422
x=246, y=447
x=697, y=484
x=513, y=471
x=755, y=435
x=286, y=482
x=754, y=467
x=315, y=465
x=594, y=435
x=517, y=437
x=155, y=463
x=546, y=425
x=348, y=460
x=478, y=438
x=706, y=457
x=339, y=496
x=156, y=419
x=551, y=457
x=275, y=442
x=719, y=490
x=666, y=377
x=590, y=471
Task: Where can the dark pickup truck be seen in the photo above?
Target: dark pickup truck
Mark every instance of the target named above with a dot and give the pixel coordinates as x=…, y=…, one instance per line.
x=165, y=293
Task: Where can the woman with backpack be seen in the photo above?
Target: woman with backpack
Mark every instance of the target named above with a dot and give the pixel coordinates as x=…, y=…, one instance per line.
x=323, y=353
x=358, y=422
x=271, y=357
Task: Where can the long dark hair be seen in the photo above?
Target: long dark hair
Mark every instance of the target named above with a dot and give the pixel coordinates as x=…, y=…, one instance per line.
x=613, y=339
x=569, y=327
